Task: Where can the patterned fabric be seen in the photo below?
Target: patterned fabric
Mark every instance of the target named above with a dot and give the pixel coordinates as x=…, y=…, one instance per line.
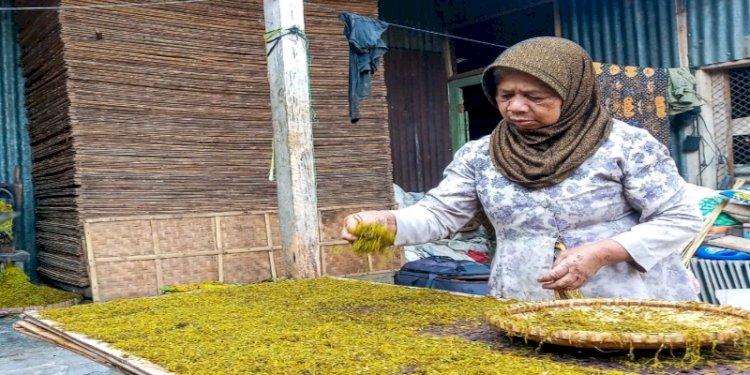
x=629, y=191
x=636, y=95
x=546, y=156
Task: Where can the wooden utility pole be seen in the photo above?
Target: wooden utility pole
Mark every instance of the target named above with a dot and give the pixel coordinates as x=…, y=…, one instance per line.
x=682, y=32
x=292, y=136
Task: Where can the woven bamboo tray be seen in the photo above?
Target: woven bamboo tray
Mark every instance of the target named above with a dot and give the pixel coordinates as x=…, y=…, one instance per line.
x=714, y=325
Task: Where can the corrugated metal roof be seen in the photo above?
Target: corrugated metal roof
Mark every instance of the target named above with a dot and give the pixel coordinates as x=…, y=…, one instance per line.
x=718, y=31
x=623, y=32
x=15, y=150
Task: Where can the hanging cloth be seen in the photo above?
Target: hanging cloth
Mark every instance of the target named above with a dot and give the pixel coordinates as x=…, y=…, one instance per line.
x=681, y=95
x=365, y=50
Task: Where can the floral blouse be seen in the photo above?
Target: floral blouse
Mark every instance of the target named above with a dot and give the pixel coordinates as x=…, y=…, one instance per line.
x=628, y=191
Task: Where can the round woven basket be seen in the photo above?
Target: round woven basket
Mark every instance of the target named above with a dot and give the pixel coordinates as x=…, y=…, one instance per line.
x=514, y=321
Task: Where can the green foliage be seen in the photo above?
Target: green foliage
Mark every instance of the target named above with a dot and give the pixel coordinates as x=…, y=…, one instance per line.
x=17, y=291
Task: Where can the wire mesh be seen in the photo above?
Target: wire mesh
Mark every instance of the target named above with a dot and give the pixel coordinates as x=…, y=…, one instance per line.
x=739, y=92
x=720, y=107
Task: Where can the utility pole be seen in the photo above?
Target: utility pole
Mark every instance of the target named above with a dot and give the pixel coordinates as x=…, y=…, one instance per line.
x=292, y=136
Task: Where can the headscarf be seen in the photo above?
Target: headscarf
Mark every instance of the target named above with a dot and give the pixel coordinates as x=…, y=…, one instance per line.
x=542, y=157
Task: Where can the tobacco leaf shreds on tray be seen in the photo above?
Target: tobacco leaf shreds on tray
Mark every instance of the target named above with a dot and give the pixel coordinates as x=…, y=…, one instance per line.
x=373, y=238
x=323, y=326
x=17, y=291
x=696, y=324
x=319, y=326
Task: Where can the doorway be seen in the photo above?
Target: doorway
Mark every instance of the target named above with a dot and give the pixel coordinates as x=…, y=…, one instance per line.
x=472, y=115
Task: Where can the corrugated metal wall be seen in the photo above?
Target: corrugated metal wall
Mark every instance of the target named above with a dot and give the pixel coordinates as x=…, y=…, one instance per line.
x=417, y=85
x=15, y=150
x=718, y=30
x=624, y=32
x=418, y=117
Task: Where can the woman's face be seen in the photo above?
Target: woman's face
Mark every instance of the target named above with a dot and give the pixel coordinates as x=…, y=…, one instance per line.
x=525, y=101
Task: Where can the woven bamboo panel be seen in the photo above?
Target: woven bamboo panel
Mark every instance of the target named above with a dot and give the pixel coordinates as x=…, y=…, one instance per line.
x=275, y=229
x=331, y=221
x=134, y=278
x=165, y=110
x=392, y=260
x=137, y=256
x=190, y=269
x=122, y=239
x=245, y=268
x=244, y=231
x=339, y=261
x=185, y=235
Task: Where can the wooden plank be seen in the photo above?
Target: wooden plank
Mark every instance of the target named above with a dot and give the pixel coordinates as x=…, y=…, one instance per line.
x=292, y=137
x=731, y=242
x=218, y=246
x=707, y=176
x=91, y=261
x=33, y=325
x=157, y=257
x=692, y=246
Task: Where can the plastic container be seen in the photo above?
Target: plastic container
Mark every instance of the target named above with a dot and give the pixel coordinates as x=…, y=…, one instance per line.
x=718, y=253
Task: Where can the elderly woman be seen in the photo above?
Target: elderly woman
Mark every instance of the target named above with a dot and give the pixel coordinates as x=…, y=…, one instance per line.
x=558, y=168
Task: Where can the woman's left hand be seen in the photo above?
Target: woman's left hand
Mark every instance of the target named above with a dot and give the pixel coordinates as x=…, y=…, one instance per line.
x=575, y=266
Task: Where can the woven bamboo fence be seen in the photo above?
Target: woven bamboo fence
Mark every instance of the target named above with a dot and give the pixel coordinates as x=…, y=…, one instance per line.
x=136, y=256
x=164, y=110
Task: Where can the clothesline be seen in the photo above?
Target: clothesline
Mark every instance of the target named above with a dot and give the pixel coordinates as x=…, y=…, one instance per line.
x=336, y=11
x=174, y=2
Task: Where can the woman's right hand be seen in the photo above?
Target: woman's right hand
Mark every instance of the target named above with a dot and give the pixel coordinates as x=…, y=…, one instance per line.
x=385, y=218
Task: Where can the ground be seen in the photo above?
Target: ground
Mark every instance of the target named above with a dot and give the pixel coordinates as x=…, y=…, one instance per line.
x=23, y=355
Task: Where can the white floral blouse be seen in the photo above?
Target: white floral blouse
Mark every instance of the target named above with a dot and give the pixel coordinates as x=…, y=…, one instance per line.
x=628, y=191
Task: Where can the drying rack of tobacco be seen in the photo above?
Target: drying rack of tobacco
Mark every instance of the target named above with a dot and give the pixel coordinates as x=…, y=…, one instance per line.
x=320, y=326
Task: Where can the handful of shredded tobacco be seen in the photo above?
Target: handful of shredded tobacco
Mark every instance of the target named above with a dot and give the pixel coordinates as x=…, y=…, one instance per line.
x=373, y=238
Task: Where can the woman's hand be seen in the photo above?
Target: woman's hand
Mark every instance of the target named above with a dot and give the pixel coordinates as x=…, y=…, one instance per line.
x=575, y=266
x=385, y=218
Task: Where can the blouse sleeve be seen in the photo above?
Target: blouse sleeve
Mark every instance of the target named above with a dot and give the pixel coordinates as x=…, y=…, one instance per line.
x=444, y=209
x=652, y=186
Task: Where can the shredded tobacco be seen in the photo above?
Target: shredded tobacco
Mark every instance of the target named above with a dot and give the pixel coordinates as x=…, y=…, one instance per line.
x=6, y=226
x=617, y=320
x=17, y=291
x=193, y=287
x=373, y=238
x=319, y=326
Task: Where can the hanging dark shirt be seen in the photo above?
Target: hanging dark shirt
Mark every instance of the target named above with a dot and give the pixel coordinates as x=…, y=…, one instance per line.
x=365, y=50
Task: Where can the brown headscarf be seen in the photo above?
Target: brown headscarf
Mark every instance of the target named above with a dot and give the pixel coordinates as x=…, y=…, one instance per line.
x=546, y=156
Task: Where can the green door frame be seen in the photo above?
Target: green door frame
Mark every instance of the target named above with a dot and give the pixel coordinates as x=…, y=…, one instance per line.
x=458, y=115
